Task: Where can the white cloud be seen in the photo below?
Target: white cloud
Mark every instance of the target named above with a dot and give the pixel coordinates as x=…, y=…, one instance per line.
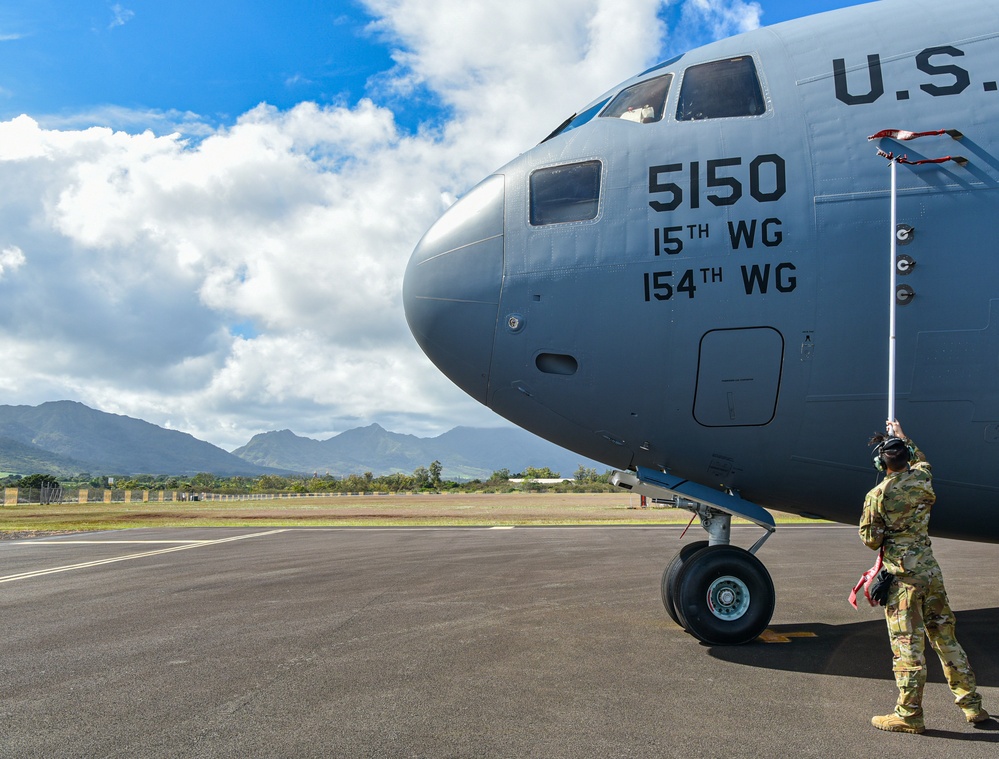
x=120, y=16
x=512, y=71
x=11, y=259
x=141, y=252
x=721, y=18
x=701, y=21
x=132, y=120
x=143, y=259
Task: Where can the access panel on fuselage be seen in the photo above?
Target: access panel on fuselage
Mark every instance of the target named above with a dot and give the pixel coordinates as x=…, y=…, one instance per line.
x=738, y=377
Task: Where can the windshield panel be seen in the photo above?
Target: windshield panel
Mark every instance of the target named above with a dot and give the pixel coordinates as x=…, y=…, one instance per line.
x=643, y=103
x=720, y=90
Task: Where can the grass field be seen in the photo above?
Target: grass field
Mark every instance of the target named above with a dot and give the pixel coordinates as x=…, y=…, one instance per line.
x=464, y=509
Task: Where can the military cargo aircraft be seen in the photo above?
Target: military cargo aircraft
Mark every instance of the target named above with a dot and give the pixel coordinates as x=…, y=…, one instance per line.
x=689, y=281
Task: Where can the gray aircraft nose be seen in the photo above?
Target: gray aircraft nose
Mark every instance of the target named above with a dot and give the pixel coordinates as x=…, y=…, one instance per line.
x=452, y=287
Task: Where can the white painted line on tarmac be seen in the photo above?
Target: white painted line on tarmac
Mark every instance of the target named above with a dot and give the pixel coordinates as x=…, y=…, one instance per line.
x=109, y=542
x=88, y=564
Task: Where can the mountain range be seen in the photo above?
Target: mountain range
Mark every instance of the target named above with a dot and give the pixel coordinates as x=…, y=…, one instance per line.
x=464, y=452
x=66, y=438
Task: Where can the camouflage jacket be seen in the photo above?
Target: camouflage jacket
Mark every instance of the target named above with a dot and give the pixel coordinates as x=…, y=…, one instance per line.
x=897, y=517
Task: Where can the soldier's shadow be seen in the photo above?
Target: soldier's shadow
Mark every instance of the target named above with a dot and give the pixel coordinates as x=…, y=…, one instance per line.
x=861, y=649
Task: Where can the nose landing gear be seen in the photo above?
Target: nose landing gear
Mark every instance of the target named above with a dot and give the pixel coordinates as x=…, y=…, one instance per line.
x=725, y=596
x=719, y=593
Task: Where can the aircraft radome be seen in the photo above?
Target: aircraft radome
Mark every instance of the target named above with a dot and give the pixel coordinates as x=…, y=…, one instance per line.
x=689, y=280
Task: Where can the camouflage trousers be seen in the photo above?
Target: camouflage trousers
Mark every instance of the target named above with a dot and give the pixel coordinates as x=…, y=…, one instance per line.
x=918, y=609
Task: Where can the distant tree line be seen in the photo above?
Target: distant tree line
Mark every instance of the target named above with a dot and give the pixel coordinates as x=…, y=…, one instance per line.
x=423, y=479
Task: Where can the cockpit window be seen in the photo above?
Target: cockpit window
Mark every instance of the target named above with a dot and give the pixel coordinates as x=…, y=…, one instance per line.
x=577, y=120
x=719, y=90
x=644, y=102
x=561, y=194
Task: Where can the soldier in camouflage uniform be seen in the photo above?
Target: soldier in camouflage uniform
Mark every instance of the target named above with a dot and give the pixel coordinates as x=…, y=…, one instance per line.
x=896, y=518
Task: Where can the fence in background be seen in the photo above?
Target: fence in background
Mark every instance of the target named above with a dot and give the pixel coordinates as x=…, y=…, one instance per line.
x=12, y=496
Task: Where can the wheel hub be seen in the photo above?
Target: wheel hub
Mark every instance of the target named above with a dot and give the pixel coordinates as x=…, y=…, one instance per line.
x=728, y=598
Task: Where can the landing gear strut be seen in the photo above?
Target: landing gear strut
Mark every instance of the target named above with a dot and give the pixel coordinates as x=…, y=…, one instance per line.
x=719, y=593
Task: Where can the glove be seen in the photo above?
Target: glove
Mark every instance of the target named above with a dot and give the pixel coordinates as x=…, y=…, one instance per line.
x=881, y=587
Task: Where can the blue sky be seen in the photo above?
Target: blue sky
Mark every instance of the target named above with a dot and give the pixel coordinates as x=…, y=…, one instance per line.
x=217, y=59
x=206, y=208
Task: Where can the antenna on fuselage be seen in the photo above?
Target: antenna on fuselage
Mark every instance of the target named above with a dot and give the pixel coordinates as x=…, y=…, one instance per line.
x=904, y=293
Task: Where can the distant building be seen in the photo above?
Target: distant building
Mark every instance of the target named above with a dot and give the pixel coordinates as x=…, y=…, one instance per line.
x=542, y=480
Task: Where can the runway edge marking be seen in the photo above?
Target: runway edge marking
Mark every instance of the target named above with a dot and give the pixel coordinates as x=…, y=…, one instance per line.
x=50, y=542
x=128, y=557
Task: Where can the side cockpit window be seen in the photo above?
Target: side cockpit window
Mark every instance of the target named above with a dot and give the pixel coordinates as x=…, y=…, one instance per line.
x=644, y=102
x=576, y=120
x=720, y=90
x=561, y=194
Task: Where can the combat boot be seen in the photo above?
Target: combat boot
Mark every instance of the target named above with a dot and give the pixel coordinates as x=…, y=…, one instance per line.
x=980, y=715
x=895, y=724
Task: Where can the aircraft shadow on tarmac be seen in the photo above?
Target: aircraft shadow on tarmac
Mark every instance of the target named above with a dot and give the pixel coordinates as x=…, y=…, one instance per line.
x=861, y=649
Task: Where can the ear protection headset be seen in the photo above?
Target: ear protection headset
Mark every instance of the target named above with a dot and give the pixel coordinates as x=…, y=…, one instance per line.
x=890, y=444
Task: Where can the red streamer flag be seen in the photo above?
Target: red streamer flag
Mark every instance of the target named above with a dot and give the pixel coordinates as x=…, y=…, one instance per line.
x=961, y=160
x=902, y=135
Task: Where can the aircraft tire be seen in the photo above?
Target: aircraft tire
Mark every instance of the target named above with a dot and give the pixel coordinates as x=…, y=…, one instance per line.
x=672, y=571
x=724, y=596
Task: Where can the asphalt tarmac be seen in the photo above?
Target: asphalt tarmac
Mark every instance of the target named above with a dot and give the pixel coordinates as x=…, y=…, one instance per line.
x=526, y=642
